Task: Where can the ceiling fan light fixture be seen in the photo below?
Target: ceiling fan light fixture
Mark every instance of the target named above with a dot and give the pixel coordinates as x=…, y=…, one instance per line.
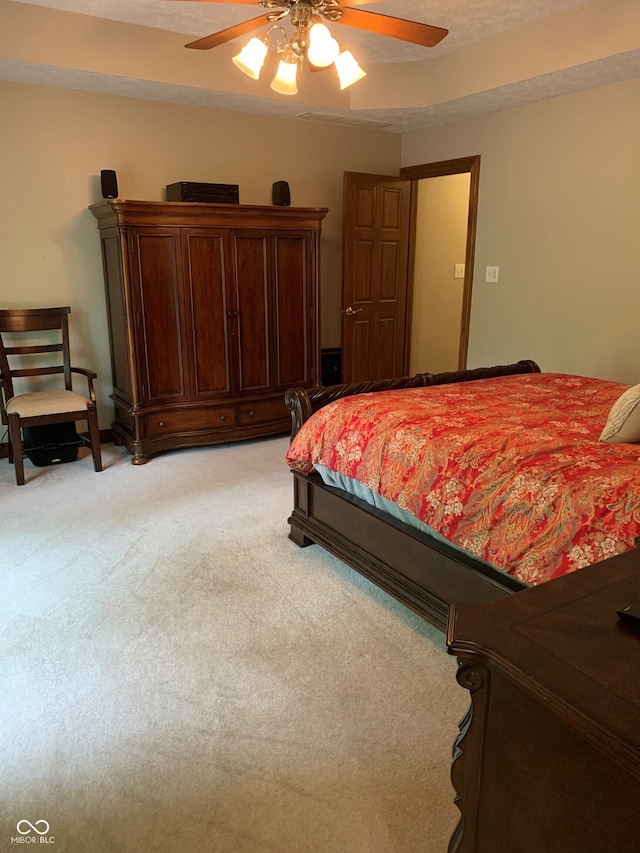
x=251, y=57
x=323, y=48
x=285, y=80
x=312, y=40
x=349, y=72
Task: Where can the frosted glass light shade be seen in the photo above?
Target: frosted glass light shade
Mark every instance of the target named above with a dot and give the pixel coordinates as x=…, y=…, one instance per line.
x=251, y=57
x=323, y=48
x=349, y=72
x=285, y=79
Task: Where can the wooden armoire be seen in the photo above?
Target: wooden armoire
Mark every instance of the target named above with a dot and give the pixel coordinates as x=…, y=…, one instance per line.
x=213, y=313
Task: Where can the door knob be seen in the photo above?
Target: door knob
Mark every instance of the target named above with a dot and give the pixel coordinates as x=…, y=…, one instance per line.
x=350, y=312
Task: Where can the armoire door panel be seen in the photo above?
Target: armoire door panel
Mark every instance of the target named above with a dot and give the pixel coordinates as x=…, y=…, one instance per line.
x=293, y=335
x=208, y=306
x=252, y=298
x=161, y=359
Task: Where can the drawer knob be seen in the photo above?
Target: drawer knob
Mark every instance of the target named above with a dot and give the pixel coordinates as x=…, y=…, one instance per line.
x=251, y=413
x=162, y=424
x=223, y=417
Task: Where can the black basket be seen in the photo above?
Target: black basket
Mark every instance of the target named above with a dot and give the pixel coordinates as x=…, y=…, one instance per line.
x=51, y=444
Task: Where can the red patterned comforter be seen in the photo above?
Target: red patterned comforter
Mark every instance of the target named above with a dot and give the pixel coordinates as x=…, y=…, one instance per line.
x=510, y=469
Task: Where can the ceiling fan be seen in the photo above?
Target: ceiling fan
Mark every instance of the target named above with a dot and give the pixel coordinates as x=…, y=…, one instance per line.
x=311, y=39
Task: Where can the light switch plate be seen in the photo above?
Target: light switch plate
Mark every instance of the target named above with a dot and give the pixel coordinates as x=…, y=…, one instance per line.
x=492, y=273
x=458, y=270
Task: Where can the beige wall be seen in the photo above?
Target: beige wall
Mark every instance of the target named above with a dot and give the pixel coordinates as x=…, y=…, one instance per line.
x=559, y=213
x=559, y=209
x=441, y=242
x=55, y=142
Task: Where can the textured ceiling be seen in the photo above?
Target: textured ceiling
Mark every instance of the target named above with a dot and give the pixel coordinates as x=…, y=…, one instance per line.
x=470, y=22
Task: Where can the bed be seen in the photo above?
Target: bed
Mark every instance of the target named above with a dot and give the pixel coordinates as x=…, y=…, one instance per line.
x=343, y=493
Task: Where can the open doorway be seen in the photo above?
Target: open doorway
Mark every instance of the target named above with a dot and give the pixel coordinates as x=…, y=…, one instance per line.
x=438, y=272
x=444, y=198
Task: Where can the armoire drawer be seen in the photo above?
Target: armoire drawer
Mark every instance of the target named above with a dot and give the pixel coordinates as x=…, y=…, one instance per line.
x=262, y=411
x=190, y=420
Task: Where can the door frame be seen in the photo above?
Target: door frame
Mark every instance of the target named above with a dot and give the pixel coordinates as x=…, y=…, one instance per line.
x=438, y=169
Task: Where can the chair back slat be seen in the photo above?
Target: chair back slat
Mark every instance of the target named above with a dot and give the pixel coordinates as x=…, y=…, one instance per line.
x=34, y=349
x=36, y=371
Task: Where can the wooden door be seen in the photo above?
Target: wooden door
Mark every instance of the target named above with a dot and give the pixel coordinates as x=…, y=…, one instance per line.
x=210, y=313
x=374, y=280
x=155, y=268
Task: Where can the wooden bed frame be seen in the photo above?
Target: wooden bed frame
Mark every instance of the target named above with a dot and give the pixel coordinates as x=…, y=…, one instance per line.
x=417, y=569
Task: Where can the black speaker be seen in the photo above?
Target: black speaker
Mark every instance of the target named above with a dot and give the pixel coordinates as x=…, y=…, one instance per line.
x=109, y=183
x=281, y=194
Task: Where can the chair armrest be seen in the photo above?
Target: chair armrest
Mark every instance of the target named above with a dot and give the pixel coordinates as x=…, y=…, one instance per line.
x=90, y=376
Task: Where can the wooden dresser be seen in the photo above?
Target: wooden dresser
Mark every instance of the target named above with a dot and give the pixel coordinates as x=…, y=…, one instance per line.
x=213, y=314
x=548, y=756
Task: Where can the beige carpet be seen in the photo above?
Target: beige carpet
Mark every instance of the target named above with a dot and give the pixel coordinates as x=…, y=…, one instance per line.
x=178, y=677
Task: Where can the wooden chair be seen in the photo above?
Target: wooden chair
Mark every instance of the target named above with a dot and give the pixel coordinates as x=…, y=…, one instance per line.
x=40, y=407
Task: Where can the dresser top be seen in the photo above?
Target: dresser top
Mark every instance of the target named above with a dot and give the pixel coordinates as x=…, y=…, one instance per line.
x=563, y=643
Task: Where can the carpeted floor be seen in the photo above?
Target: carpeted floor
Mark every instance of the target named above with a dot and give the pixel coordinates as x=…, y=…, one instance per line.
x=177, y=676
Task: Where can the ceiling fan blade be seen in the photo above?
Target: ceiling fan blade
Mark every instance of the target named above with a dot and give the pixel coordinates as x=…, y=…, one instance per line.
x=398, y=28
x=207, y=42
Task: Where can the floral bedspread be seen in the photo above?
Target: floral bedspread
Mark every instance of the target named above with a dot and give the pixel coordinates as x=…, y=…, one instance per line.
x=510, y=469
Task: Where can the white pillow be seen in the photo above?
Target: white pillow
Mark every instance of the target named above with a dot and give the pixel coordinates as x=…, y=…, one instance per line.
x=623, y=423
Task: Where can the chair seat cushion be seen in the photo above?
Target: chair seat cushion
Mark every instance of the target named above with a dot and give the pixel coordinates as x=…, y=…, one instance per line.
x=46, y=403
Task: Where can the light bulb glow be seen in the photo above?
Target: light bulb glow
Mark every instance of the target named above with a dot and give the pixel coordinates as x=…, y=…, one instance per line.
x=323, y=48
x=251, y=57
x=349, y=72
x=285, y=79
